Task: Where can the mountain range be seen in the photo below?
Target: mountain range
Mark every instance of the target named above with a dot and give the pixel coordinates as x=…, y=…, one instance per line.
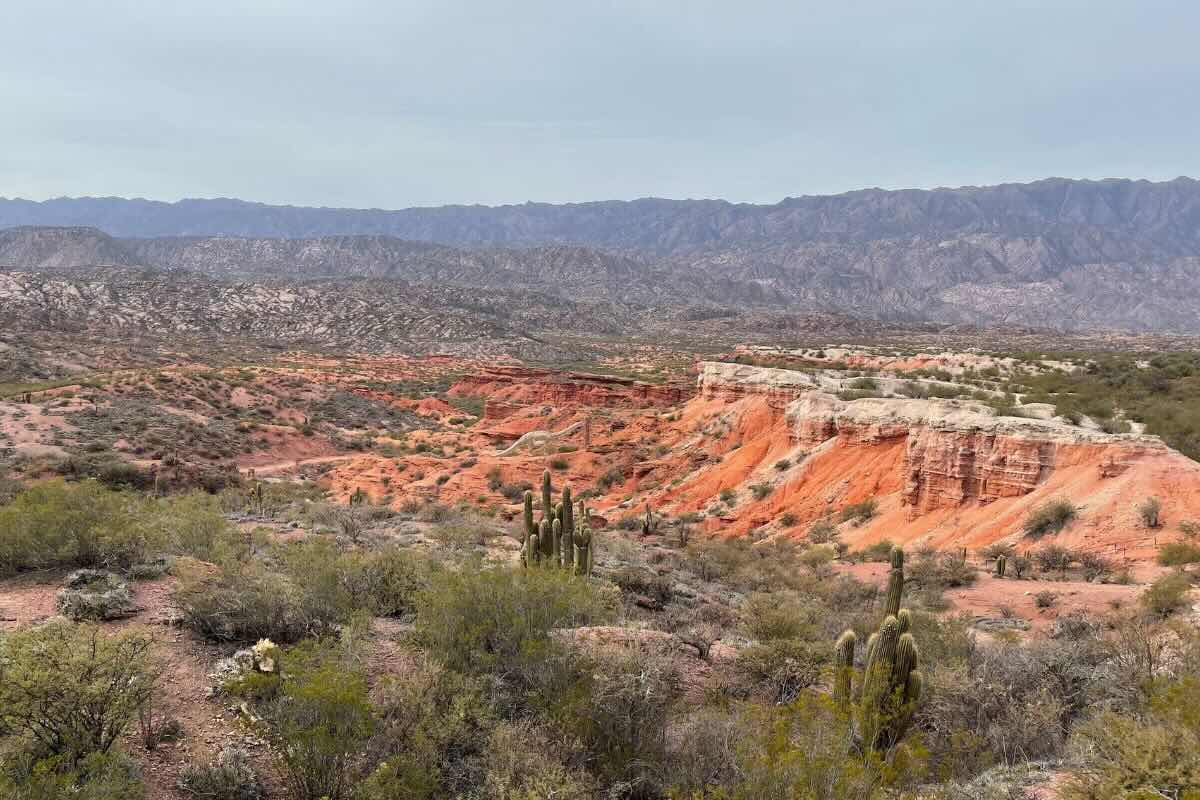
x=1057, y=254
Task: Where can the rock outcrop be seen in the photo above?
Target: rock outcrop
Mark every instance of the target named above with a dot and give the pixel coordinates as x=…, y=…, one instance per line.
x=943, y=472
x=506, y=386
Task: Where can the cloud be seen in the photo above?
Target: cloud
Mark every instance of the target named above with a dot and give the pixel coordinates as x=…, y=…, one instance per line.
x=377, y=103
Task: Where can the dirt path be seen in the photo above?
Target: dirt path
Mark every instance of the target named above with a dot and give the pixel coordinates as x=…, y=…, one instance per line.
x=209, y=724
x=284, y=466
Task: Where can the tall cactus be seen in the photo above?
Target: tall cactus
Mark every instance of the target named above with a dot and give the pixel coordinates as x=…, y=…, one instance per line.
x=547, y=507
x=530, y=529
x=843, y=664
x=545, y=539
x=1001, y=564
x=882, y=706
x=568, y=513
x=533, y=551
x=583, y=548
x=556, y=550
x=895, y=585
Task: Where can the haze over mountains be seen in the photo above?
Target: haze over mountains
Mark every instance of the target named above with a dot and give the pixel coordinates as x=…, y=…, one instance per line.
x=1074, y=255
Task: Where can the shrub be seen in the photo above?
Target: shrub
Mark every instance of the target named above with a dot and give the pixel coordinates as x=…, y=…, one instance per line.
x=934, y=570
x=771, y=615
x=823, y=531
x=860, y=512
x=559, y=463
x=728, y=496
x=1178, y=554
x=483, y=620
x=644, y=582
x=59, y=524
x=1051, y=517
x=1189, y=528
x=613, y=477
x=228, y=777
x=523, y=762
x=1150, y=512
x=787, y=519
x=783, y=465
x=98, y=776
x=514, y=492
x=1094, y=566
x=619, y=712
x=1020, y=565
x=1054, y=557
x=761, y=490
x=1167, y=595
x=71, y=688
x=320, y=723
x=1157, y=755
x=1045, y=599
x=782, y=668
x=880, y=551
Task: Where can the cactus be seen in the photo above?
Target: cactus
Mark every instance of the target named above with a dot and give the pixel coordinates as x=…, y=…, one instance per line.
x=844, y=669
x=547, y=507
x=583, y=547
x=556, y=552
x=533, y=551
x=529, y=524
x=649, y=522
x=895, y=585
x=545, y=539
x=568, y=527
x=881, y=707
x=1001, y=564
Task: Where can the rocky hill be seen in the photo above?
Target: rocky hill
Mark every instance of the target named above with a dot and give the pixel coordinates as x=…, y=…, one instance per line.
x=1057, y=254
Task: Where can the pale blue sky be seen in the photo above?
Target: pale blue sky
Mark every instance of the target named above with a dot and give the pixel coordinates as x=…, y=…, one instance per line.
x=390, y=103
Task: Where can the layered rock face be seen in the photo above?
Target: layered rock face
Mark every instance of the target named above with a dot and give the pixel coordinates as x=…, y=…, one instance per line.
x=507, y=385
x=955, y=451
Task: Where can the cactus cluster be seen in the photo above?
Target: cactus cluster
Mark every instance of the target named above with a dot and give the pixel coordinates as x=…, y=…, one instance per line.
x=882, y=705
x=559, y=538
x=1001, y=565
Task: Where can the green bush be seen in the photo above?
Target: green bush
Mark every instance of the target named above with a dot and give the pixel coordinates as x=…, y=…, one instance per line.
x=305, y=589
x=1178, y=554
x=320, y=723
x=860, y=512
x=1048, y=518
x=431, y=740
x=880, y=551
x=1150, y=512
x=499, y=619
x=1054, y=558
x=1167, y=595
x=780, y=669
x=59, y=524
x=823, y=531
x=761, y=490
x=72, y=689
x=98, y=776
x=1119, y=756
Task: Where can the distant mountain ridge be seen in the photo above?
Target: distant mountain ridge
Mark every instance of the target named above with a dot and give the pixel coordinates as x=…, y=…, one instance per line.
x=1161, y=210
x=1060, y=254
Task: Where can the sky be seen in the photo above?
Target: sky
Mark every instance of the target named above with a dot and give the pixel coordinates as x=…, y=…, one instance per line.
x=397, y=103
